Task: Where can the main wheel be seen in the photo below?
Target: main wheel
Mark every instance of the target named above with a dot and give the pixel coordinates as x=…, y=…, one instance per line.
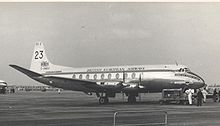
x=103, y=100
x=131, y=99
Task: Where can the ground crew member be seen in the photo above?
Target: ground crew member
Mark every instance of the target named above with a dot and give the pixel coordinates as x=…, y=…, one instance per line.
x=219, y=96
x=189, y=92
x=199, y=98
x=59, y=91
x=204, y=92
x=214, y=95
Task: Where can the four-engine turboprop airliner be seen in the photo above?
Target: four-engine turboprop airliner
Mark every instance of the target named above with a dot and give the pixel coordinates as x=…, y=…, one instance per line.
x=3, y=86
x=3, y=83
x=105, y=82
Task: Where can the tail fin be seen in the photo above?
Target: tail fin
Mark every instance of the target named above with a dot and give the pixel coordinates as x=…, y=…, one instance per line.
x=40, y=63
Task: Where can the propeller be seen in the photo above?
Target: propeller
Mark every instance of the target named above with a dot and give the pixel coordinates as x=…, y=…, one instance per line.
x=139, y=82
x=123, y=81
x=138, y=86
x=123, y=77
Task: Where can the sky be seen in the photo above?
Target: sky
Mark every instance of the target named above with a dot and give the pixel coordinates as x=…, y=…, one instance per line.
x=109, y=34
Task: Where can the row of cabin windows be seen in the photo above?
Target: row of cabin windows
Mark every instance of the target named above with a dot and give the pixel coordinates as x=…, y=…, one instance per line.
x=117, y=76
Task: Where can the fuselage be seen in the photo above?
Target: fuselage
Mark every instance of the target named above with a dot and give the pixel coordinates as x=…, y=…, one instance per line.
x=106, y=81
x=151, y=78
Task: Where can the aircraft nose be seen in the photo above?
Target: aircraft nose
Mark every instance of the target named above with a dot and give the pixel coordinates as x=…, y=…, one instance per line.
x=197, y=85
x=201, y=84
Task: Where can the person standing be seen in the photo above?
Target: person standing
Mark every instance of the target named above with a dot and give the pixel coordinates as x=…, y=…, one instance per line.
x=189, y=92
x=199, y=98
x=219, y=96
x=204, y=92
x=59, y=91
x=214, y=95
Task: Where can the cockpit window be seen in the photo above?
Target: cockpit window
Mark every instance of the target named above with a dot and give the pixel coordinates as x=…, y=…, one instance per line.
x=184, y=70
x=181, y=70
x=187, y=70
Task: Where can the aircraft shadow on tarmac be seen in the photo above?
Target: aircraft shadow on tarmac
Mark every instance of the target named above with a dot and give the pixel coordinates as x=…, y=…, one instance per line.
x=120, y=103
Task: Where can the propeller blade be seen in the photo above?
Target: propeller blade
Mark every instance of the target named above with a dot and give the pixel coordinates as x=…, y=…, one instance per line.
x=139, y=82
x=123, y=79
x=139, y=94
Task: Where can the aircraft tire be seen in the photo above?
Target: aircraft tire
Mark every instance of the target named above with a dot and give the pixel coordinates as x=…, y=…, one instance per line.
x=131, y=99
x=103, y=100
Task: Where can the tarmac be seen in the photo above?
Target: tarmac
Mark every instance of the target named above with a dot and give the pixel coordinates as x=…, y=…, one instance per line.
x=78, y=109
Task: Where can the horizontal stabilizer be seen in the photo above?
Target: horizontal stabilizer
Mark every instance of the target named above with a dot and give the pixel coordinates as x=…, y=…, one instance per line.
x=25, y=71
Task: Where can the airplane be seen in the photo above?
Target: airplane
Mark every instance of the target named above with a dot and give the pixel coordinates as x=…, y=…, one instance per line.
x=105, y=82
x=3, y=85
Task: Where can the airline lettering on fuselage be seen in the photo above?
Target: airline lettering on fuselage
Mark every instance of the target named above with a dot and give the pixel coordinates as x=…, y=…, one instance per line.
x=115, y=69
x=135, y=68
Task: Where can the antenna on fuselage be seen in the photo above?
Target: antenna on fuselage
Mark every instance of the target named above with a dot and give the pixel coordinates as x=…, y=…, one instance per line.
x=176, y=63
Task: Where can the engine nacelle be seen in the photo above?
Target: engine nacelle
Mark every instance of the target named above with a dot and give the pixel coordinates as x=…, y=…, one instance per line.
x=108, y=83
x=133, y=88
x=111, y=86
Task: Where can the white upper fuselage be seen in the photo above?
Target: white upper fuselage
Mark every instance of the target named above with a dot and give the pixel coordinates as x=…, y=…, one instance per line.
x=173, y=73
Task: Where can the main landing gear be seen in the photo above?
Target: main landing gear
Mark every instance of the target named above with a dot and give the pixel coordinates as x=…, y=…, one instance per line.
x=103, y=99
x=132, y=97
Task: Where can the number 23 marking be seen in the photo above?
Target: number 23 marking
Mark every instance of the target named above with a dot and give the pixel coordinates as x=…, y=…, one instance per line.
x=39, y=54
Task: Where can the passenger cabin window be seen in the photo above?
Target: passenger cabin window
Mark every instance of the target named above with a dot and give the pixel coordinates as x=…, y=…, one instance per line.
x=103, y=76
x=74, y=76
x=95, y=76
x=87, y=76
x=117, y=76
x=80, y=76
x=133, y=75
x=109, y=76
